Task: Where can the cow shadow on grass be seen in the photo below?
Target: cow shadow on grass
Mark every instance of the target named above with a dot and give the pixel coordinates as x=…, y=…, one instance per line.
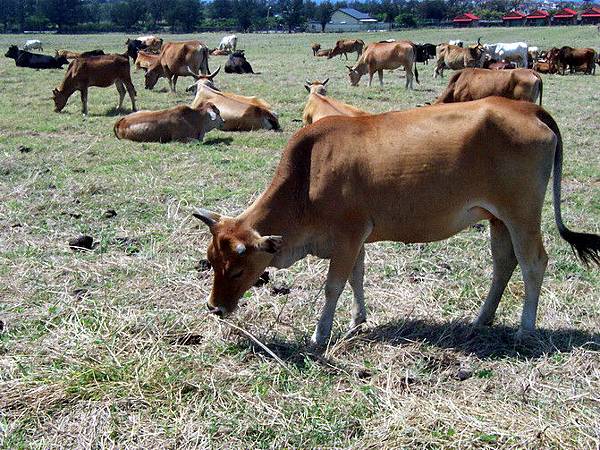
x=218, y=141
x=495, y=342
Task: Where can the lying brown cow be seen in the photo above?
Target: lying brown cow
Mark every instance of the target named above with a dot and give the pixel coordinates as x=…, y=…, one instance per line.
x=420, y=175
x=178, y=59
x=180, y=123
x=73, y=55
x=473, y=84
x=239, y=113
x=380, y=56
x=319, y=106
x=144, y=60
x=219, y=52
x=345, y=46
x=457, y=58
x=315, y=48
x=99, y=71
x=324, y=52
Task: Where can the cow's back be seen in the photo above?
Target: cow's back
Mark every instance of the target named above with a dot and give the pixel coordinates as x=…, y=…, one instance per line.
x=388, y=55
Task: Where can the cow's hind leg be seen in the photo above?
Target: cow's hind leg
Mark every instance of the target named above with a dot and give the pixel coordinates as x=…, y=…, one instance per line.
x=121, y=90
x=380, y=75
x=359, y=312
x=504, y=260
x=84, y=99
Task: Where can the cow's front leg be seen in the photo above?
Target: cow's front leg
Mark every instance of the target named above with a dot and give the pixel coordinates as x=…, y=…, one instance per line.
x=84, y=98
x=380, y=75
x=175, y=77
x=371, y=77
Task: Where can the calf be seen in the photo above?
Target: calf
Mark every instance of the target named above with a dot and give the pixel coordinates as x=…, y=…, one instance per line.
x=315, y=48
x=145, y=60
x=345, y=46
x=237, y=63
x=177, y=59
x=380, y=56
x=323, y=52
x=239, y=113
x=33, y=44
x=319, y=105
x=420, y=175
x=456, y=58
x=98, y=71
x=473, y=84
x=33, y=60
x=228, y=43
x=180, y=123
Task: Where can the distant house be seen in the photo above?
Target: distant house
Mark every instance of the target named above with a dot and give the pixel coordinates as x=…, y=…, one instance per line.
x=591, y=15
x=350, y=19
x=539, y=17
x=565, y=16
x=514, y=19
x=466, y=20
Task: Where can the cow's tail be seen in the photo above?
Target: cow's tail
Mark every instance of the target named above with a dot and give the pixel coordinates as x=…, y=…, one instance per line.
x=541, y=89
x=585, y=245
x=415, y=63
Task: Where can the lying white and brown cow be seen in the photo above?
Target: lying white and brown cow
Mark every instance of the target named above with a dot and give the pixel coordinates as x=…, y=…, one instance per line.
x=473, y=84
x=177, y=59
x=420, y=175
x=180, y=123
x=380, y=56
x=345, y=46
x=457, y=58
x=99, y=71
x=319, y=105
x=239, y=113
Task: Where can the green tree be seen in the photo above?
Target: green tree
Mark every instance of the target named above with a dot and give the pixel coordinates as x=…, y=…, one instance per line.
x=291, y=13
x=324, y=12
x=62, y=13
x=157, y=9
x=127, y=13
x=184, y=14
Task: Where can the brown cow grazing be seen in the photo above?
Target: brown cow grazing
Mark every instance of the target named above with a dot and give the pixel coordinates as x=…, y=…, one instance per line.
x=315, y=48
x=343, y=182
x=176, y=59
x=457, y=58
x=345, y=46
x=180, y=123
x=473, y=84
x=98, y=71
x=574, y=57
x=324, y=52
x=319, y=106
x=380, y=56
x=239, y=113
x=144, y=60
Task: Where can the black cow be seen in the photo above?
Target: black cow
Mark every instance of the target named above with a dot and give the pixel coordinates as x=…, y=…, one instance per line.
x=133, y=47
x=34, y=60
x=237, y=63
x=425, y=52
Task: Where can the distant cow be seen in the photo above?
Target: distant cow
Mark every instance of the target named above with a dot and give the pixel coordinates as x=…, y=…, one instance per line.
x=473, y=84
x=550, y=65
x=380, y=56
x=457, y=58
x=345, y=46
x=315, y=48
x=33, y=44
x=33, y=60
x=178, y=59
x=72, y=55
x=133, y=47
x=319, y=105
x=492, y=64
x=574, y=57
x=99, y=71
x=240, y=113
x=145, y=60
x=323, y=52
x=218, y=52
x=515, y=52
x=228, y=43
x=456, y=42
x=153, y=43
x=237, y=63
x=425, y=52
x=180, y=123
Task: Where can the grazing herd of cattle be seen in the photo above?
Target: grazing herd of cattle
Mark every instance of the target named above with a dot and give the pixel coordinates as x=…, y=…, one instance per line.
x=350, y=177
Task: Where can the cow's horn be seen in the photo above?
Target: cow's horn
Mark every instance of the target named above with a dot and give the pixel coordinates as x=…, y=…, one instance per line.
x=214, y=74
x=350, y=68
x=325, y=82
x=195, y=75
x=208, y=217
x=479, y=41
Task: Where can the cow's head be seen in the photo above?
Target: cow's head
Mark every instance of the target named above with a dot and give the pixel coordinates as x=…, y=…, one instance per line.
x=13, y=52
x=60, y=100
x=213, y=116
x=355, y=74
x=316, y=86
x=154, y=72
x=205, y=80
x=238, y=255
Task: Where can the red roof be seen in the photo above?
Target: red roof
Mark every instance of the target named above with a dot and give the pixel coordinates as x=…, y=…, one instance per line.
x=514, y=15
x=466, y=17
x=565, y=13
x=538, y=14
x=594, y=11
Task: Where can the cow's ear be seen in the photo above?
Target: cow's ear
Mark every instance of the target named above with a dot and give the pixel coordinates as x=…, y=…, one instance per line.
x=213, y=111
x=269, y=244
x=208, y=217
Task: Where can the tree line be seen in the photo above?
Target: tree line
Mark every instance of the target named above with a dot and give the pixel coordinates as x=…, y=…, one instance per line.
x=68, y=16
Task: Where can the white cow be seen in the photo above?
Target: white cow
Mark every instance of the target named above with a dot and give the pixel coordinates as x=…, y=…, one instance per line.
x=228, y=43
x=456, y=42
x=510, y=52
x=32, y=44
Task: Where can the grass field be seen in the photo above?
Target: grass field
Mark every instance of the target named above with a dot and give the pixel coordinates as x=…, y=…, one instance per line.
x=114, y=348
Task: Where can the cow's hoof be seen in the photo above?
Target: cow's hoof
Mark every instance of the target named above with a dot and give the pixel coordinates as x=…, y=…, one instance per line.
x=523, y=336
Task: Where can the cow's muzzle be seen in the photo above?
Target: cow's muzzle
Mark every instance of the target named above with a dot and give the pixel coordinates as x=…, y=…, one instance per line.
x=216, y=310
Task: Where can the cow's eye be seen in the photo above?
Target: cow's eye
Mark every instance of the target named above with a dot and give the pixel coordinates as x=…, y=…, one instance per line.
x=236, y=274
